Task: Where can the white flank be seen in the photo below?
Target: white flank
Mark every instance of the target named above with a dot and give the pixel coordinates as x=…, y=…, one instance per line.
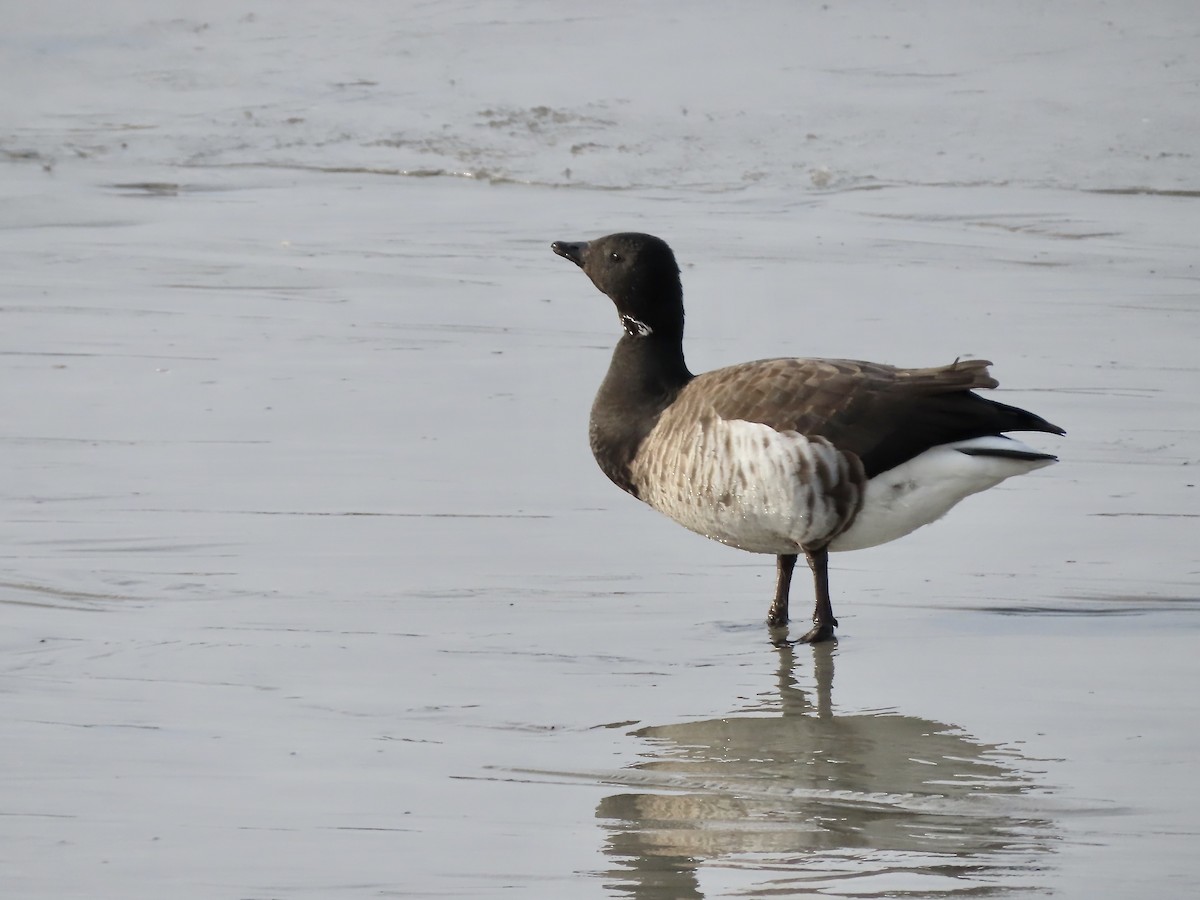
x=924, y=489
x=739, y=483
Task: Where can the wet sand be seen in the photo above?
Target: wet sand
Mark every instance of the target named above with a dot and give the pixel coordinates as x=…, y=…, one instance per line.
x=311, y=587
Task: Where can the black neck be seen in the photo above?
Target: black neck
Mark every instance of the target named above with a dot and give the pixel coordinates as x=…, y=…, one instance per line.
x=645, y=371
x=645, y=376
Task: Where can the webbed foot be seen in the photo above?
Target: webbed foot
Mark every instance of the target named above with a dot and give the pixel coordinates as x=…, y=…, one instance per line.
x=821, y=631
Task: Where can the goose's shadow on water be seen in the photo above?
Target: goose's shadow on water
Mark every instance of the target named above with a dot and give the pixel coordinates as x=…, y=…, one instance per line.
x=814, y=802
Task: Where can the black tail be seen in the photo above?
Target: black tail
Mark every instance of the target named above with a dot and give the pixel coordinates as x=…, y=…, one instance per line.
x=945, y=419
x=1012, y=418
x=1027, y=455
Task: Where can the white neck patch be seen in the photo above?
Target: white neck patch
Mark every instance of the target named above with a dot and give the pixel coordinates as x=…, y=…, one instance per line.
x=636, y=327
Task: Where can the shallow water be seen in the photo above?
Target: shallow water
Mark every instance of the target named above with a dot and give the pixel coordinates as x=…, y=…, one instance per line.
x=311, y=587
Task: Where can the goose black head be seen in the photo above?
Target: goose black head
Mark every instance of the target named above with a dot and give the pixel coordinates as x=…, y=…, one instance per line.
x=639, y=273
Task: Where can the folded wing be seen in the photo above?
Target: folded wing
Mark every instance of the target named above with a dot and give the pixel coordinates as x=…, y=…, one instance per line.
x=883, y=414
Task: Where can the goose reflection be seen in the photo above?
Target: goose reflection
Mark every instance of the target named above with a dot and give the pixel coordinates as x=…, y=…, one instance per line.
x=867, y=804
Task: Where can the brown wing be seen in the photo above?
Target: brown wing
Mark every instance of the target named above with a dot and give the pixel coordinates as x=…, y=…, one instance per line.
x=882, y=414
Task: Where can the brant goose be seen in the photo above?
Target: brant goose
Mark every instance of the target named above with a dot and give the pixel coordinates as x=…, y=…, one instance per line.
x=785, y=456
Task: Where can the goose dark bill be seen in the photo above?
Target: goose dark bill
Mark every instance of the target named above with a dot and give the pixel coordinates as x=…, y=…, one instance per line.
x=572, y=250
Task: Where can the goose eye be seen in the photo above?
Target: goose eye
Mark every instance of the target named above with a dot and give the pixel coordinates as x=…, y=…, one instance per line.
x=615, y=256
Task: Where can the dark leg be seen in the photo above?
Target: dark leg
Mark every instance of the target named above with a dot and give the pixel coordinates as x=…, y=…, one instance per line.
x=777, y=617
x=823, y=620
